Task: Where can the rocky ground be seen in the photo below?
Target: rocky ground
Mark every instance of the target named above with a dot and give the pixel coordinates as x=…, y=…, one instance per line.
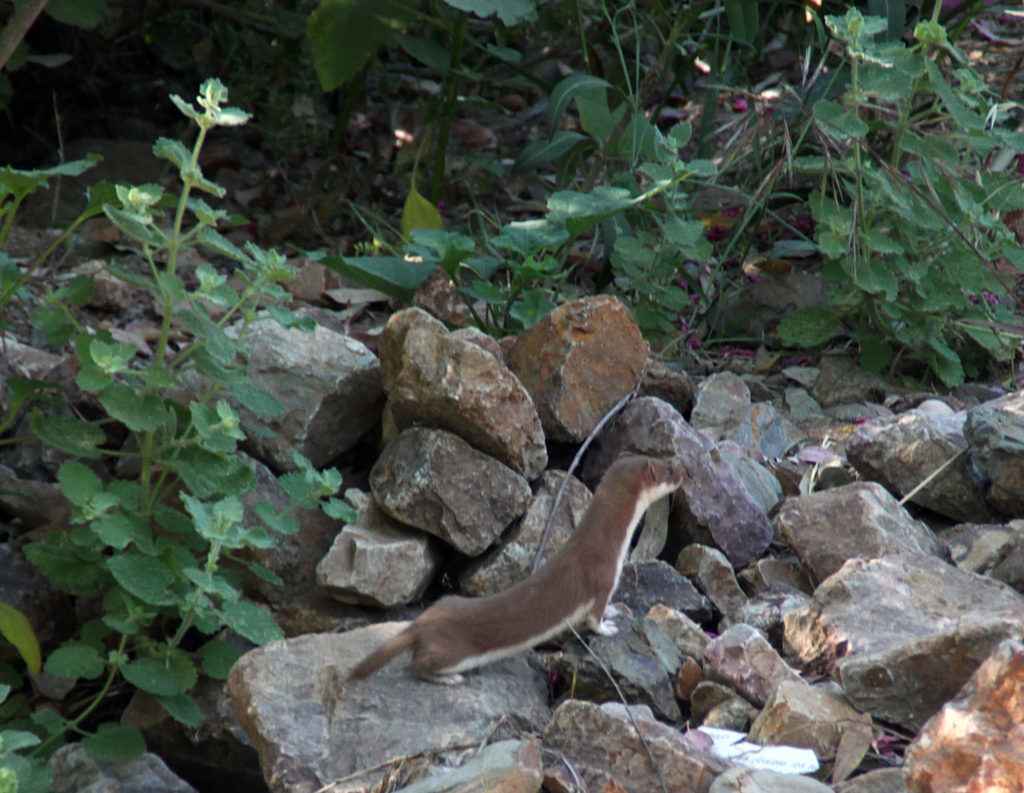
x=838, y=581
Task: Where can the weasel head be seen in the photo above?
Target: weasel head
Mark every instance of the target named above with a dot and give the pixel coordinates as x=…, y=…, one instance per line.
x=651, y=477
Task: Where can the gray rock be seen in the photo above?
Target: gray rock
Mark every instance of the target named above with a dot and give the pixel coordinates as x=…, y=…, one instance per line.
x=311, y=726
x=688, y=637
x=749, y=780
x=842, y=381
x=644, y=585
x=75, y=771
x=775, y=574
x=995, y=432
x=860, y=520
x=437, y=482
x=336, y=400
x=577, y=362
x=601, y=745
x=378, y=566
x=713, y=505
x=513, y=560
x=721, y=398
x=444, y=381
x=716, y=705
x=810, y=716
x=881, y=780
x=766, y=612
x=742, y=658
x=642, y=659
x=989, y=549
x=902, y=633
x=713, y=575
x=674, y=386
x=903, y=451
x=723, y=412
x=512, y=766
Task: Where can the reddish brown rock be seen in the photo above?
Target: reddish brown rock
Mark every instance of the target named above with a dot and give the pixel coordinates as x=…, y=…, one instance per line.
x=577, y=362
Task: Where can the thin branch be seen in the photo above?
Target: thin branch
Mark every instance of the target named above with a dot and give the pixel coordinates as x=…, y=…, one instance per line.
x=17, y=26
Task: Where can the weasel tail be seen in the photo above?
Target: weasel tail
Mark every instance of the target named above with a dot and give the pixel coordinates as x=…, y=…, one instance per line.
x=574, y=586
x=379, y=657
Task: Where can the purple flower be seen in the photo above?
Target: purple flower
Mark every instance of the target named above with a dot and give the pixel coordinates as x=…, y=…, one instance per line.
x=739, y=105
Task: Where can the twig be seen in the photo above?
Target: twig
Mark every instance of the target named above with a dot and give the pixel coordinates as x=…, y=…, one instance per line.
x=17, y=26
x=572, y=467
x=928, y=479
x=622, y=699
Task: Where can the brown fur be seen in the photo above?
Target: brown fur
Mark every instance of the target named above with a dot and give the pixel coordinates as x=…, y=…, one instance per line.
x=458, y=633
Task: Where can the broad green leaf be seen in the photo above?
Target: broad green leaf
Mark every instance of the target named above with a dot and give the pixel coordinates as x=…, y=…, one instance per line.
x=842, y=122
x=75, y=660
x=250, y=622
x=510, y=12
x=72, y=570
x=596, y=117
x=418, y=213
x=944, y=362
x=809, y=326
x=119, y=529
x=339, y=510
x=346, y=34
x=138, y=412
x=16, y=628
x=207, y=331
x=207, y=474
x=13, y=740
x=136, y=227
x=145, y=577
x=258, y=400
x=114, y=743
x=176, y=676
x=392, y=275
x=67, y=434
x=20, y=183
x=528, y=237
x=427, y=52
x=563, y=94
x=77, y=482
x=85, y=14
x=183, y=708
x=275, y=521
x=542, y=152
x=874, y=274
x=875, y=354
x=213, y=584
x=173, y=150
x=580, y=212
x=219, y=657
x=265, y=573
x=743, y=20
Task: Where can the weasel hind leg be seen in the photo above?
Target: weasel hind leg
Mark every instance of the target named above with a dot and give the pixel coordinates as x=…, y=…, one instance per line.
x=604, y=625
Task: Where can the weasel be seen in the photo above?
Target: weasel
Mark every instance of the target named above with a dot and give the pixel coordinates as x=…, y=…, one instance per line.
x=575, y=585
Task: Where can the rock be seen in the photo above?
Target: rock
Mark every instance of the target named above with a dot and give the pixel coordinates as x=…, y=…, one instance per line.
x=476, y=336
x=810, y=716
x=512, y=766
x=439, y=296
x=989, y=549
x=392, y=341
x=763, y=485
x=713, y=505
x=774, y=574
x=75, y=771
x=976, y=742
x=902, y=633
x=881, y=780
x=601, y=745
x=765, y=612
x=901, y=452
x=642, y=659
x=444, y=381
x=218, y=751
x=647, y=584
x=674, y=386
x=841, y=381
x=801, y=405
x=720, y=398
x=742, y=658
x=749, y=780
x=715, y=705
x=24, y=588
x=513, y=560
x=380, y=566
x=688, y=637
x=311, y=727
x=336, y=400
x=577, y=362
x=723, y=412
x=860, y=520
x=437, y=482
x=995, y=432
x=27, y=362
x=713, y=574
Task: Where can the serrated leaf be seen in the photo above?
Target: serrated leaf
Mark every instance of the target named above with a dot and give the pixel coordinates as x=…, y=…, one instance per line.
x=138, y=412
x=176, y=676
x=219, y=657
x=842, y=122
x=145, y=577
x=183, y=708
x=173, y=150
x=275, y=521
x=809, y=326
x=131, y=224
x=72, y=570
x=944, y=362
x=119, y=529
x=875, y=354
x=77, y=482
x=114, y=743
x=66, y=434
x=75, y=660
x=15, y=627
x=258, y=400
x=250, y=622
x=13, y=740
x=206, y=330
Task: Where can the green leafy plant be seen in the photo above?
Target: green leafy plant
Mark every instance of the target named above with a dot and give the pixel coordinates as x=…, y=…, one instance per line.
x=908, y=210
x=157, y=545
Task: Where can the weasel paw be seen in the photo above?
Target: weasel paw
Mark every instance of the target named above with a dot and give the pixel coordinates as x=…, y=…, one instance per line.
x=606, y=628
x=611, y=611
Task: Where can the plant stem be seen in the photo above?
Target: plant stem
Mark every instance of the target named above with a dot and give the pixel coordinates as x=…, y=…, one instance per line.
x=448, y=109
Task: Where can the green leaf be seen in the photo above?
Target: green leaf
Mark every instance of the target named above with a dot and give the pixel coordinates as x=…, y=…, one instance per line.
x=77, y=482
x=183, y=708
x=541, y=152
x=73, y=436
x=13, y=740
x=274, y=520
x=510, y=12
x=139, y=413
x=206, y=330
x=145, y=577
x=176, y=676
x=73, y=660
x=840, y=121
x=346, y=34
x=392, y=275
x=875, y=354
x=580, y=212
x=119, y=529
x=250, y=623
x=418, y=213
x=16, y=628
x=72, y=570
x=809, y=326
x=596, y=117
x=563, y=94
x=135, y=226
x=173, y=150
x=258, y=400
x=944, y=362
x=114, y=743
x=528, y=237
x=339, y=510
x=85, y=14
x=207, y=474
x=427, y=52
x=219, y=657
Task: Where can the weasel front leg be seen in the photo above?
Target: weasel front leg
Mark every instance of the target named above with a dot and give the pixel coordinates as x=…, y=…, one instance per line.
x=605, y=625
